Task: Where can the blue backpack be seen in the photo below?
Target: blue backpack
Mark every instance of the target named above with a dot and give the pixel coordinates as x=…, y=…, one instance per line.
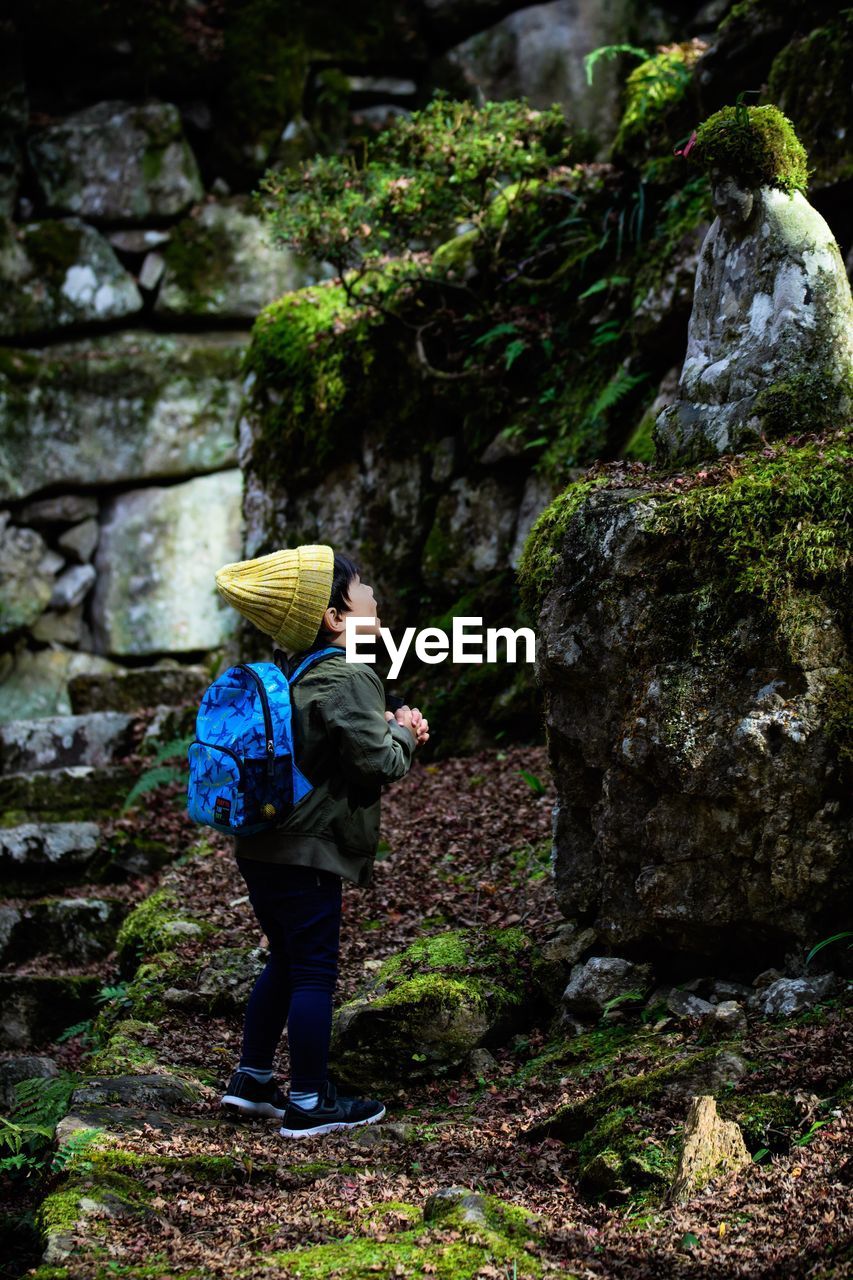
x=243, y=778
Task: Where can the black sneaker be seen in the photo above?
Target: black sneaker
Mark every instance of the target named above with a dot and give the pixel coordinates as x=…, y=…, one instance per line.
x=247, y=1096
x=330, y=1113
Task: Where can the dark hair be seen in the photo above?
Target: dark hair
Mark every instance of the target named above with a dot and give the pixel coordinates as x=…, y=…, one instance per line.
x=343, y=573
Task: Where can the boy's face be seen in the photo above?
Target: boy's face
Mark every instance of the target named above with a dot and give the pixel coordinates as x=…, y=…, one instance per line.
x=362, y=604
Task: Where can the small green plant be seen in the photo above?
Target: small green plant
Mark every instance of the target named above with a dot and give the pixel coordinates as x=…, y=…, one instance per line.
x=607, y=52
x=536, y=784
x=836, y=937
x=621, y=999
x=160, y=774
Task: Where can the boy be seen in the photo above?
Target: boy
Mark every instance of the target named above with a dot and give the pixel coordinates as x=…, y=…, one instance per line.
x=348, y=745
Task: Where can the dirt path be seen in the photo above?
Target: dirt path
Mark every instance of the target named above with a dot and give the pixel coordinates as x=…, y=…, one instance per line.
x=168, y=1188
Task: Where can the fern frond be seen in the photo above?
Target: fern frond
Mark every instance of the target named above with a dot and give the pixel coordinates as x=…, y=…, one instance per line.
x=172, y=750
x=156, y=777
x=607, y=51
x=616, y=390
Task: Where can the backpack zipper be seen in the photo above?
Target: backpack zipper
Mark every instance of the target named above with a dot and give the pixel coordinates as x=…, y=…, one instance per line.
x=265, y=707
x=216, y=747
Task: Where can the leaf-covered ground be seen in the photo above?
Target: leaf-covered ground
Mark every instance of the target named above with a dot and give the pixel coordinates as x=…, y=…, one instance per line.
x=465, y=842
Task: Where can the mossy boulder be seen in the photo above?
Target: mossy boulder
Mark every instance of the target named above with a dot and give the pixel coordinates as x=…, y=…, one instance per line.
x=809, y=80
x=619, y=1156
x=429, y=1007
x=714, y=616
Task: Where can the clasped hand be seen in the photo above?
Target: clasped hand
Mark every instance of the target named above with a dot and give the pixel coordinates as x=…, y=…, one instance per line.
x=413, y=719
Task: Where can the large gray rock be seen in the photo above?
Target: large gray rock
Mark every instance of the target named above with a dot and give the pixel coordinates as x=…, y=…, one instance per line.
x=772, y=312
x=592, y=986
x=124, y=407
x=60, y=273
x=26, y=576
x=697, y=792
x=37, y=846
x=74, y=931
x=80, y=540
x=157, y=558
x=116, y=162
x=72, y=792
x=35, y=682
x=787, y=996
x=53, y=741
x=72, y=587
x=63, y=509
x=219, y=262
x=538, y=53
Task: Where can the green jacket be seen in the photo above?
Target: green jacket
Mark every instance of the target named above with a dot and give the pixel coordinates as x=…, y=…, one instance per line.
x=347, y=749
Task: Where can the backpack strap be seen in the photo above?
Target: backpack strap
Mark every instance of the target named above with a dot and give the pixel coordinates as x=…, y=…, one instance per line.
x=311, y=658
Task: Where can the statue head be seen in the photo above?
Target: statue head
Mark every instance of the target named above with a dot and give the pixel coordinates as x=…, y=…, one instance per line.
x=734, y=203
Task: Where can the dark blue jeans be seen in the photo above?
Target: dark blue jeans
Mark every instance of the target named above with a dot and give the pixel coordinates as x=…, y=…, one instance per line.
x=299, y=910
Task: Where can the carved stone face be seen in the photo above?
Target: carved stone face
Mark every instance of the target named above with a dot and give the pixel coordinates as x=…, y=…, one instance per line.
x=732, y=202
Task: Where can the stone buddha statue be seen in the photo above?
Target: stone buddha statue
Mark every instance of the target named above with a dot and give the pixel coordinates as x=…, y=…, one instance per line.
x=770, y=338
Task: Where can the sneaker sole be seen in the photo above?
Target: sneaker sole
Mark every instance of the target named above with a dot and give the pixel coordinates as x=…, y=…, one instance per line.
x=241, y=1107
x=329, y=1128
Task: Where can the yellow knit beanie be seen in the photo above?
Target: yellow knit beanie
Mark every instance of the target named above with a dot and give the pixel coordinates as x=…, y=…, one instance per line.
x=284, y=594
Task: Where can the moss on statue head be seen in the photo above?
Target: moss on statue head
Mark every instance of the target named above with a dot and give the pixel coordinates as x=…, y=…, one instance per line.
x=755, y=145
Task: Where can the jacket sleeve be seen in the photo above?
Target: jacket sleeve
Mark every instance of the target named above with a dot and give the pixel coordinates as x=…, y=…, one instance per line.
x=371, y=749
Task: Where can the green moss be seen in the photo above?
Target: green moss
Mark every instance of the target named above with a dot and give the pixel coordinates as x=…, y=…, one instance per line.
x=811, y=401
x=772, y=526
x=810, y=81
x=141, y=933
x=540, y=554
x=755, y=145
x=123, y=1049
x=53, y=245
x=766, y=1119
x=835, y=704
x=574, y=1120
x=308, y=351
x=617, y=1156
x=60, y=1212
x=197, y=257
x=417, y=1251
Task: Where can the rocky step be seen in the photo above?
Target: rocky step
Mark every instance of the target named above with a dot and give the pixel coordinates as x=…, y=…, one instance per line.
x=34, y=855
x=71, y=792
x=75, y=930
x=39, y=1007
x=95, y=738
x=129, y=690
